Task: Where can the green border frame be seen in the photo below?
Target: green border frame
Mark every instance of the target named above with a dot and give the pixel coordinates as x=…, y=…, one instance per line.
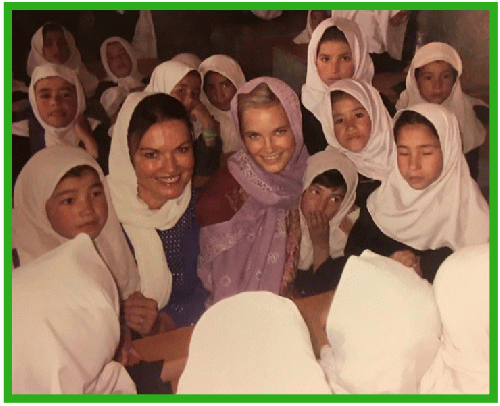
x=492, y=397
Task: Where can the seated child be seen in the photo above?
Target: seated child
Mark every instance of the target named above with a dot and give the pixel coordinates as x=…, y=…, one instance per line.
x=52, y=43
x=329, y=188
x=222, y=77
x=428, y=206
x=434, y=77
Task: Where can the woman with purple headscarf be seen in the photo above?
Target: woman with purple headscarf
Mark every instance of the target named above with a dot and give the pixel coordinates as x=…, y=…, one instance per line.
x=250, y=235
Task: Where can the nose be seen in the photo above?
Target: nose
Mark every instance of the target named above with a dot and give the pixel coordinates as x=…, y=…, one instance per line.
x=268, y=144
x=219, y=93
x=169, y=164
x=437, y=83
x=415, y=161
x=87, y=206
x=335, y=67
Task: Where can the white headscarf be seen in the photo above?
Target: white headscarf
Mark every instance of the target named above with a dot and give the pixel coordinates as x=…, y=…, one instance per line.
x=32, y=234
x=450, y=212
x=228, y=67
x=318, y=163
x=383, y=328
x=305, y=36
x=139, y=221
x=252, y=343
x=65, y=324
x=314, y=89
x=462, y=290
x=166, y=75
x=53, y=135
x=188, y=59
x=472, y=131
x=36, y=58
x=375, y=159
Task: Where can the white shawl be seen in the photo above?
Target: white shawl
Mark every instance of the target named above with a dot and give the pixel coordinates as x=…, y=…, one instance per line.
x=188, y=59
x=450, y=212
x=462, y=105
x=318, y=163
x=139, y=221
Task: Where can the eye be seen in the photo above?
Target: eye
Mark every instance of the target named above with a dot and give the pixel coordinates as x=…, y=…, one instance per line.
x=360, y=114
x=336, y=199
x=68, y=201
x=346, y=58
x=338, y=121
x=252, y=136
x=281, y=131
x=151, y=154
x=184, y=149
x=403, y=153
x=44, y=96
x=324, y=59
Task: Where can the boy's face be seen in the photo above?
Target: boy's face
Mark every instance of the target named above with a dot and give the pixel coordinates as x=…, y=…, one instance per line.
x=119, y=61
x=56, y=100
x=55, y=47
x=219, y=90
x=78, y=205
x=321, y=199
x=435, y=81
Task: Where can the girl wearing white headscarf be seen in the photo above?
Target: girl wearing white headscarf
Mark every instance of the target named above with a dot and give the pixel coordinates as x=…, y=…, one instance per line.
x=472, y=131
x=230, y=69
x=36, y=57
x=431, y=222
x=65, y=324
x=383, y=328
x=32, y=232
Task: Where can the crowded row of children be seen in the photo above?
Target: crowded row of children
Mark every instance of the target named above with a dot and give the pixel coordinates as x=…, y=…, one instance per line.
x=218, y=186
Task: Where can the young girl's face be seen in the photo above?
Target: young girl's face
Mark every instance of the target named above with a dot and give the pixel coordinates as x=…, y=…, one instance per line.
x=351, y=123
x=119, y=61
x=219, y=90
x=268, y=136
x=56, y=100
x=55, y=47
x=78, y=205
x=187, y=90
x=419, y=155
x=321, y=199
x=435, y=81
x=334, y=61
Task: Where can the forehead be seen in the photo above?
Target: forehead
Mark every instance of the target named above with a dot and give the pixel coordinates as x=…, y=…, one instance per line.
x=53, y=83
x=191, y=80
x=115, y=47
x=88, y=177
x=333, y=47
x=167, y=134
x=346, y=101
x=214, y=77
x=436, y=66
x=54, y=34
x=270, y=115
x=416, y=134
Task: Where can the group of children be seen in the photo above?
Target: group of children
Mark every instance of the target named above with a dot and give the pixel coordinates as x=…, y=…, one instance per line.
x=217, y=186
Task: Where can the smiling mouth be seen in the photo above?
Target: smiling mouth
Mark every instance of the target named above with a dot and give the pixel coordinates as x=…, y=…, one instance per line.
x=169, y=180
x=271, y=158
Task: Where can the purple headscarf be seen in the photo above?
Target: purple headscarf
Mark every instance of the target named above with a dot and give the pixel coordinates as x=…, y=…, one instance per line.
x=248, y=252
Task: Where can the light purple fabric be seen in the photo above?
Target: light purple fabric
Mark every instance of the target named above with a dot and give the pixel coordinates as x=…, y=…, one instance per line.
x=248, y=252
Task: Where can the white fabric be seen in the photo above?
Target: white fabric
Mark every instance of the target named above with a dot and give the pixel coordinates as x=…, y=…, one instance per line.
x=139, y=221
x=36, y=58
x=252, y=343
x=32, y=234
x=144, y=41
x=53, y=135
x=188, y=59
x=450, y=212
x=228, y=67
x=314, y=90
x=267, y=14
x=462, y=289
x=65, y=324
x=113, y=97
x=383, y=328
x=318, y=163
x=375, y=159
x=462, y=105
x=305, y=36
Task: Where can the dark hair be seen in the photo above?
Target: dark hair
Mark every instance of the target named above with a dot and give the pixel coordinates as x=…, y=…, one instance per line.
x=454, y=71
x=337, y=95
x=408, y=117
x=151, y=110
x=331, y=179
x=332, y=33
x=77, y=171
x=51, y=27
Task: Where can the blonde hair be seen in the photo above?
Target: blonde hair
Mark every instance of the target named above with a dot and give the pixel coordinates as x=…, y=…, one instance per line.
x=260, y=96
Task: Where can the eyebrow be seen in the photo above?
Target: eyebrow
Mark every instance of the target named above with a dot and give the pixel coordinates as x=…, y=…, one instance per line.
x=70, y=191
x=48, y=89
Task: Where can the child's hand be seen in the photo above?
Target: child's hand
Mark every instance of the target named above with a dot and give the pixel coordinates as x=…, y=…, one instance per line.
x=126, y=353
x=140, y=313
x=319, y=228
x=409, y=259
x=84, y=135
x=201, y=115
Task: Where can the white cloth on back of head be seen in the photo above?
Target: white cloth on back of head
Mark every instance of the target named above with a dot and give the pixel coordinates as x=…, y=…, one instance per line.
x=55, y=135
x=32, y=233
x=253, y=342
x=318, y=163
x=314, y=90
x=305, y=36
x=36, y=58
x=229, y=68
x=144, y=41
x=462, y=105
x=139, y=221
x=375, y=159
x=462, y=289
x=65, y=324
x=383, y=327
x=188, y=59
x=450, y=212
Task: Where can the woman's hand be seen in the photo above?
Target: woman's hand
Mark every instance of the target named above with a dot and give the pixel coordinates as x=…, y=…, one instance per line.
x=409, y=259
x=84, y=135
x=140, y=313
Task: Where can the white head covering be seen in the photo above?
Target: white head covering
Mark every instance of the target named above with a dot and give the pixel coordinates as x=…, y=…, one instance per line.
x=53, y=135
x=375, y=159
x=472, y=131
x=383, y=328
x=305, y=36
x=139, y=221
x=318, y=163
x=314, y=89
x=65, y=324
x=252, y=343
x=188, y=59
x=166, y=75
x=228, y=67
x=32, y=234
x=450, y=212
x=462, y=289
x=36, y=58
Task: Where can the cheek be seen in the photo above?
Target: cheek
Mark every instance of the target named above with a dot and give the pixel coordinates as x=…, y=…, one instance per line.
x=252, y=146
x=145, y=168
x=348, y=70
x=61, y=220
x=101, y=207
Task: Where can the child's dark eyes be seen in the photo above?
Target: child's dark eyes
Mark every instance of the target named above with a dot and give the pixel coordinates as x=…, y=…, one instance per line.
x=184, y=149
x=68, y=201
x=151, y=155
x=360, y=115
x=346, y=58
x=338, y=121
x=324, y=59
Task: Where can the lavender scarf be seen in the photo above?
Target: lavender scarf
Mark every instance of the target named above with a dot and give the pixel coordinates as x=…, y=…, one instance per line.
x=247, y=253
